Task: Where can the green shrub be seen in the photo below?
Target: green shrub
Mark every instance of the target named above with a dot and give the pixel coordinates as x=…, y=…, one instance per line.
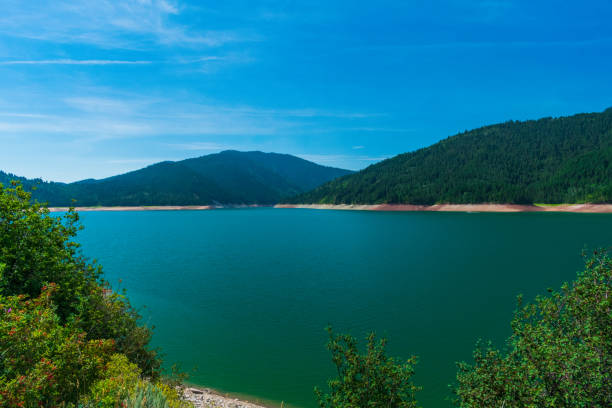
x=120, y=378
x=559, y=354
x=123, y=387
x=44, y=363
x=66, y=339
x=367, y=380
x=155, y=395
x=107, y=314
x=36, y=249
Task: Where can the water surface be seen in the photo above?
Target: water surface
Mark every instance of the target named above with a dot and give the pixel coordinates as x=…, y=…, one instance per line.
x=245, y=294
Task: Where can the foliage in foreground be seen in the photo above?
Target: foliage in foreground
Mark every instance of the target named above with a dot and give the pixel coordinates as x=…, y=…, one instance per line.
x=123, y=384
x=367, y=380
x=66, y=340
x=44, y=362
x=38, y=249
x=559, y=355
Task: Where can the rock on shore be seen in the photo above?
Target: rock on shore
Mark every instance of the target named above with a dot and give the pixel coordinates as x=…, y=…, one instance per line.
x=205, y=398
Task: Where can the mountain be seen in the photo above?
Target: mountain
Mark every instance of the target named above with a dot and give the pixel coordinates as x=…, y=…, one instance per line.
x=551, y=160
x=229, y=177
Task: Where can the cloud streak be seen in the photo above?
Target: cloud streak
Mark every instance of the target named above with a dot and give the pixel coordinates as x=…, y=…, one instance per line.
x=74, y=62
x=335, y=158
x=203, y=146
x=482, y=44
x=91, y=118
x=135, y=24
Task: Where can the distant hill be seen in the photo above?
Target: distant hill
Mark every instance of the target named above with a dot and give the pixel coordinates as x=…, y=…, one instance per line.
x=229, y=177
x=551, y=160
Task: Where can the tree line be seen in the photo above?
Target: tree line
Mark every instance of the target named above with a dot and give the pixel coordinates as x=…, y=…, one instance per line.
x=551, y=160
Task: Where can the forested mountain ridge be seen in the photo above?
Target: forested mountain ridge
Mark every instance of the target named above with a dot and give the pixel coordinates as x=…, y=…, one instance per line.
x=550, y=160
x=229, y=177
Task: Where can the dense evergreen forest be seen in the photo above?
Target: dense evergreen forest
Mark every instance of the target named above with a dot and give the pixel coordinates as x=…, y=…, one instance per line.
x=551, y=160
x=229, y=177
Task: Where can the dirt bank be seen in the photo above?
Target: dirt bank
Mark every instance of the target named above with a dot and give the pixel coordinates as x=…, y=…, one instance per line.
x=575, y=208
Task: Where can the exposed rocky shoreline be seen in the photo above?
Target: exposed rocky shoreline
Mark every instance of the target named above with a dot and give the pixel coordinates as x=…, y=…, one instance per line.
x=575, y=208
x=207, y=398
x=157, y=207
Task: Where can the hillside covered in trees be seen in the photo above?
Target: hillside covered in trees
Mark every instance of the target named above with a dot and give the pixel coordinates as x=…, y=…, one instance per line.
x=551, y=160
x=229, y=177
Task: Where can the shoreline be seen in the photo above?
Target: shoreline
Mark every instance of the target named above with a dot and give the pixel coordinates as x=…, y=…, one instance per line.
x=202, y=397
x=499, y=208
x=157, y=207
x=494, y=208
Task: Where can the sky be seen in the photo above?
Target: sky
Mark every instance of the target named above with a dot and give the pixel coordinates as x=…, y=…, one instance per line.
x=93, y=88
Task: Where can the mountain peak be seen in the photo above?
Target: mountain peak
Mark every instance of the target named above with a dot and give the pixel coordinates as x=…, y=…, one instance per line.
x=229, y=177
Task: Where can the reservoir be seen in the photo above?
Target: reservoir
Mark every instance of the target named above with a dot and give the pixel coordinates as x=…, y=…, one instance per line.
x=244, y=295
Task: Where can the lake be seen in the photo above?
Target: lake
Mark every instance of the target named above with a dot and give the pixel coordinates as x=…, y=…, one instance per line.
x=245, y=294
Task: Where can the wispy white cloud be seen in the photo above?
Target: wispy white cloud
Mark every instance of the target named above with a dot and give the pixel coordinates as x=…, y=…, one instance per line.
x=168, y=7
x=372, y=159
x=210, y=58
x=94, y=128
x=310, y=113
x=73, y=62
x=109, y=106
x=358, y=147
x=202, y=146
x=142, y=160
x=515, y=44
x=209, y=64
x=24, y=115
x=295, y=113
x=432, y=46
x=97, y=118
x=378, y=129
x=130, y=24
x=94, y=119
x=339, y=158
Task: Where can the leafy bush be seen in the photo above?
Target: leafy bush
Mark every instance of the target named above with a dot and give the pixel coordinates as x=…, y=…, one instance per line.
x=559, y=355
x=65, y=337
x=36, y=249
x=120, y=377
x=44, y=363
x=367, y=380
x=155, y=395
x=123, y=387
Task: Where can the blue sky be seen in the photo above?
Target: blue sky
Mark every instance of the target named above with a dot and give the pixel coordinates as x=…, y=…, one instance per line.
x=93, y=88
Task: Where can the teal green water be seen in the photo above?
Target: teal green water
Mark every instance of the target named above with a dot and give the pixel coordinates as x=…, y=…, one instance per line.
x=244, y=295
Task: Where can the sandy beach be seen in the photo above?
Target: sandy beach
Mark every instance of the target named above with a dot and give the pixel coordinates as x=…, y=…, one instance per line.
x=574, y=208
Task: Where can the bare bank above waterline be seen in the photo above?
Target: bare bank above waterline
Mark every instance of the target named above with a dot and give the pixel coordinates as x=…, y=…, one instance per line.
x=157, y=207
x=501, y=208
x=574, y=208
